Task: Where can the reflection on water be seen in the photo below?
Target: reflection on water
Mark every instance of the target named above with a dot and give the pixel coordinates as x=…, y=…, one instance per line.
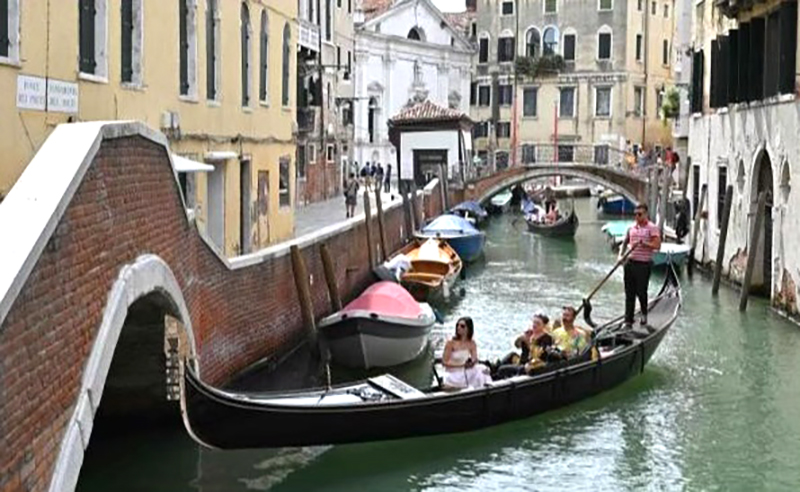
x=718, y=407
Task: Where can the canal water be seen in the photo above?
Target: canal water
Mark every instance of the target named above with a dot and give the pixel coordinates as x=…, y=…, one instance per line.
x=717, y=408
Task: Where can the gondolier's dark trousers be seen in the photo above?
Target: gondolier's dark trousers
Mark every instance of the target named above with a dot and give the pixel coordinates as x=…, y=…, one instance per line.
x=637, y=279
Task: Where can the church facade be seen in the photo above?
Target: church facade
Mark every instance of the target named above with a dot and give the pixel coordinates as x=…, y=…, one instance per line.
x=405, y=53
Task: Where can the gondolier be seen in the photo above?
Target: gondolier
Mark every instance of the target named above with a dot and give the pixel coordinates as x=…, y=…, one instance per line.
x=645, y=239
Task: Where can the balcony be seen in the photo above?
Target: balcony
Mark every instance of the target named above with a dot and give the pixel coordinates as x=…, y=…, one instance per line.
x=309, y=35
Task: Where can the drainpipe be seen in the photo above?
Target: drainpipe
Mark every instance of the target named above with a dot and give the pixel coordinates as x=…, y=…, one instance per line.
x=646, y=54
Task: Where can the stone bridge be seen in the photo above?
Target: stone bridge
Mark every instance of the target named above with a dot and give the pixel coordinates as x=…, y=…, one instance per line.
x=99, y=257
x=631, y=185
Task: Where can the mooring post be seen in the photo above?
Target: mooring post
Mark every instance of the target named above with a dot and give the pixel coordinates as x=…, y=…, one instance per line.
x=381, y=229
x=414, y=211
x=302, y=282
x=696, y=225
x=755, y=235
x=662, y=204
x=330, y=277
x=652, y=190
x=368, y=225
x=403, y=189
x=723, y=236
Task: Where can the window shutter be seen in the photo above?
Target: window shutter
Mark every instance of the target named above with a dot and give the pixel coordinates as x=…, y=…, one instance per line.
x=211, y=50
x=788, y=47
x=4, y=42
x=245, y=51
x=127, y=40
x=772, y=38
x=184, y=47
x=733, y=66
x=743, y=61
x=756, y=65
x=713, y=91
x=87, y=55
x=569, y=47
x=262, y=92
x=483, y=56
x=285, y=75
x=724, y=69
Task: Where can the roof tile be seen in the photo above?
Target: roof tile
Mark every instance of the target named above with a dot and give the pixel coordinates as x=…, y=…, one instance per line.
x=428, y=111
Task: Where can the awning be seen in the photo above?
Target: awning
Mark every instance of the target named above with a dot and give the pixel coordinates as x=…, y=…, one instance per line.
x=184, y=165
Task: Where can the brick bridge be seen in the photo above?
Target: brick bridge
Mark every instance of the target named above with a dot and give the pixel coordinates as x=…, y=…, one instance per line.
x=631, y=185
x=97, y=252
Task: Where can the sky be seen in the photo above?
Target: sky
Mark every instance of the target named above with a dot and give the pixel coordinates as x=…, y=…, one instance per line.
x=450, y=5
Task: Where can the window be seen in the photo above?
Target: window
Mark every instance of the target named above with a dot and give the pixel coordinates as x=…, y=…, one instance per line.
x=639, y=46
x=533, y=43
x=569, y=47
x=697, y=82
x=504, y=94
x=372, y=111
x=788, y=48
x=263, y=68
x=483, y=50
x=722, y=185
x=301, y=161
x=285, y=199
x=130, y=43
x=473, y=93
x=501, y=159
x=653, y=9
x=349, y=6
x=415, y=34
x=505, y=49
x=530, y=102
x=480, y=130
x=602, y=105
x=347, y=113
x=9, y=30
x=473, y=29
x=601, y=154
x=638, y=101
x=550, y=6
x=330, y=153
x=287, y=56
x=244, y=26
x=659, y=100
x=484, y=96
x=507, y=7
x=605, y=5
x=349, y=65
x=604, y=44
x=528, y=154
x=566, y=153
x=566, y=102
x=212, y=49
x=665, y=52
x=338, y=4
x=639, y=5
x=550, y=41
x=666, y=11
x=188, y=48
x=92, y=33
x=503, y=129
x=312, y=153
x=338, y=57
x=328, y=20
x=695, y=188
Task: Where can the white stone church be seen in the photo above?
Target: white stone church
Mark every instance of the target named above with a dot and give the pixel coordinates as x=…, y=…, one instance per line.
x=405, y=52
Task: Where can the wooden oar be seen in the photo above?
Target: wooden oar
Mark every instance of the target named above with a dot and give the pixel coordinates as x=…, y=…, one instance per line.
x=619, y=262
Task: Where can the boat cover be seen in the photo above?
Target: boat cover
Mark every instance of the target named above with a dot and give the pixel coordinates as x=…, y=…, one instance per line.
x=386, y=298
x=450, y=223
x=472, y=207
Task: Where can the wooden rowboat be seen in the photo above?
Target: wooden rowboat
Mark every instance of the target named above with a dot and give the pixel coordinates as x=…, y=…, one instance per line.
x=435, y=267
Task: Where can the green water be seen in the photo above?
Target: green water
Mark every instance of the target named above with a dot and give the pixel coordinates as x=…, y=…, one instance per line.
x=718, y=407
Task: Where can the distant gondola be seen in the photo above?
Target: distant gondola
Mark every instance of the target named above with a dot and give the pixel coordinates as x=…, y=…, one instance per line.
x=386, y=408
x=563, y=227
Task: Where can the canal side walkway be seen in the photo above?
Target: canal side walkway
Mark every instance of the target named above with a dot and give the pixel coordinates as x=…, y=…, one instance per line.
x=315, y=216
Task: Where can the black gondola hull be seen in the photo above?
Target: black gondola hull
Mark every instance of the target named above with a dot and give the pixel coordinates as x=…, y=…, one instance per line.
x=566, y=227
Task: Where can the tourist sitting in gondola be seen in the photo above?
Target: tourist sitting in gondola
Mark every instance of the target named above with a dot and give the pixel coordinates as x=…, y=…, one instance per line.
x=536, y=349
x=553, y=215
x=460, y=359
x=570, y=339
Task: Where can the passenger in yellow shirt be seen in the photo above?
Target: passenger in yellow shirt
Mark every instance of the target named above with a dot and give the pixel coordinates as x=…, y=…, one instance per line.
x=570, y=339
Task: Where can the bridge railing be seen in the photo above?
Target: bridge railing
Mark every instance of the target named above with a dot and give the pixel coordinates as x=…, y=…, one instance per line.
x=597, y=155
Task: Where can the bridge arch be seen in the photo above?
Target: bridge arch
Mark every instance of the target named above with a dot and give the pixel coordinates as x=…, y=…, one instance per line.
x=565, y=171
x=150, y=279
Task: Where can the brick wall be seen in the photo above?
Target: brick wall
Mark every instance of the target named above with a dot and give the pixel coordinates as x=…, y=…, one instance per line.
x=128, y=204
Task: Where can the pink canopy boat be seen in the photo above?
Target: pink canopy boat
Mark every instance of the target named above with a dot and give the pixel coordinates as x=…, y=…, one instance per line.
x=382, y=327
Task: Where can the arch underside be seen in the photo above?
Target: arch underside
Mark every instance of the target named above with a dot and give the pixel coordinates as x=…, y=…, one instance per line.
x=559, y=171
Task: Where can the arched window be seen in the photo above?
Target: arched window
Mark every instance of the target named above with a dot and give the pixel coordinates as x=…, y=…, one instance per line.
x=416, y=34
x=533, y=43
x=550, y=41
x=604, y=43
x=263, y=89
x=372, y=114
x=287, y=54
x=245, y=33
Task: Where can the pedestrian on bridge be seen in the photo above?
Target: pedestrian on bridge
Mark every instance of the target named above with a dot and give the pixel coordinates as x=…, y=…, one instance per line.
x=645, y=239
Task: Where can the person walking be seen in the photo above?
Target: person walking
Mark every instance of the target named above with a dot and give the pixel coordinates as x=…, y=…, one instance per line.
x=365, y=175
x=351, y=196
x=387, y=180
x=379, y=177
x=645, y=239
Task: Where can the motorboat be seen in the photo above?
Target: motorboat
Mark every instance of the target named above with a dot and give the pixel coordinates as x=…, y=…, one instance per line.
x=614, y=204
x=462, y=236
x=384, y=326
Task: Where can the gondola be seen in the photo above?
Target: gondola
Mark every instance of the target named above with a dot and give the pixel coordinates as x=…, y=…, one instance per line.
x=386, y=408
x=563, y=227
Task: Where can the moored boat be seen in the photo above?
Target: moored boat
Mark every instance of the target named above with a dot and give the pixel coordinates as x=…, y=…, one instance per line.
x=565, y=226
x=500, y=203
x=470, y=210
x=385, y=407
x=670, y=252
x=676, y=254
x=459, y=234
x=613, y=204
x=435, y=267
x=384, y=326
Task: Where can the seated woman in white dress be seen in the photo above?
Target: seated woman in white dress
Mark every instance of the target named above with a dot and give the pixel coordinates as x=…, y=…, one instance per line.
x=460, y=359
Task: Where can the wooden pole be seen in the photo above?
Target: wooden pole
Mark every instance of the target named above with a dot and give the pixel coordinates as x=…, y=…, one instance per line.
x=662, y=204
x=696, y=225
x=403, y=189
x=381, y=230
x=652, y=190
x=301, y=281
x=330, y=277
x=414, y=212
x=723, y=236
x=755, y=235
x=368, y=225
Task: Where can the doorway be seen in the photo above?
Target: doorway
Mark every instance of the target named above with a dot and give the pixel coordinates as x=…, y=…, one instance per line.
x=245, y=225
x=762, y=272
x=262, y=221
x=428, y=164
x=216, y=206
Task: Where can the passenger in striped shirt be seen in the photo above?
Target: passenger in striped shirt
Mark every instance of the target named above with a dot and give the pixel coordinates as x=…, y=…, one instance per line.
x=645, y=238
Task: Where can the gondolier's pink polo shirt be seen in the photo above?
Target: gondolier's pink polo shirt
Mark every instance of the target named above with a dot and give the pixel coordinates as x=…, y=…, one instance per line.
x=645, y=233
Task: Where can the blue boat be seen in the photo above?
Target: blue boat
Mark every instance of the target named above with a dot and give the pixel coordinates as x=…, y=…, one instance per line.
x=470, y=210
x=616, y=205
x=459, y=233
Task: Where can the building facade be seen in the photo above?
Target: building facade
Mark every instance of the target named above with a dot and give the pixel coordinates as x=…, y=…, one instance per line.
x=553, y=76
x=743, y=135
x=214, y=76
x=325, y=97
x=406, y=52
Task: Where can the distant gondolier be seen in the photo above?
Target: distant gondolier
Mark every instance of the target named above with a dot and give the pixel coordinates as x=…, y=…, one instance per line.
x=645, y=239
